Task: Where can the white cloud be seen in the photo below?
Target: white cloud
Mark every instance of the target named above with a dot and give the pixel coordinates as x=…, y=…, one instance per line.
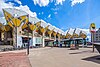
x=42, y=12
x=59, y=2
x=39, y=13
x=46, y=2
x=18, y=1
x=49, y=15
x=74, y=2
x=55, y=12
x=55, y=9
x=25, y=8
x=5, y=5
x=41, y=2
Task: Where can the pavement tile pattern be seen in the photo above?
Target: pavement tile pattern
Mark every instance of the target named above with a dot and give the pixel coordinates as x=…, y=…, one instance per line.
x=14, y=60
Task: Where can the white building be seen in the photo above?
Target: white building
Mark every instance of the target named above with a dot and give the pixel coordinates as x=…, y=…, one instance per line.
x=97, y=36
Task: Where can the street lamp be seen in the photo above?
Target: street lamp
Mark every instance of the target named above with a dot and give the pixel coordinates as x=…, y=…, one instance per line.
x=28, y=41
x=29, y=26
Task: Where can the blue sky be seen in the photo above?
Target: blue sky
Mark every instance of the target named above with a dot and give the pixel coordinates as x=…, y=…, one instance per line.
x=66, y=16
x=63, y=14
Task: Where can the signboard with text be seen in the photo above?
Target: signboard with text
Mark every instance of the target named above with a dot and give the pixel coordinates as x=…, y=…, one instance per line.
x=92, y=28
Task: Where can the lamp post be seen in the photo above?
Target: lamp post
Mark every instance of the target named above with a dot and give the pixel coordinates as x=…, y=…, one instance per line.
x=30, y=27
x=28, y=41
x=92, y=31
x=27, y=31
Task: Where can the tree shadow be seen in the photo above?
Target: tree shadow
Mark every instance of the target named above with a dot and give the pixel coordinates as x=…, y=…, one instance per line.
x=95, y=59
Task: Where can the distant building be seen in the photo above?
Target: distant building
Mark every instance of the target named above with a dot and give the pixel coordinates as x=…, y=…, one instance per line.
x=97, y=36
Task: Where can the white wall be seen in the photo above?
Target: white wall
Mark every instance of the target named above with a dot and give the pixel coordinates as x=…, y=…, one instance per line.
x=19, y=41
x=37, y=40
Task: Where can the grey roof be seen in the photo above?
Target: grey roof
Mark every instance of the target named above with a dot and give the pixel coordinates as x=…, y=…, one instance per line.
x=2, y=20
x=15, y=12
x=55, y=29
x=50, y=27
x=71, y=31
x=43, y=24
x=66, y=31
x=59, y=31
x=83, y=32
x=77, y=31
x=63, y=33
x=33, y=19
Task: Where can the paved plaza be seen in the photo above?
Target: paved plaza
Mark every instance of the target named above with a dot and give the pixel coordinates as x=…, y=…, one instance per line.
x=50, y=57
x=63, y=57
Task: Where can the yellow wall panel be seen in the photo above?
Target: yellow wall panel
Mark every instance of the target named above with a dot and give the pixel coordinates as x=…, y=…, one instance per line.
x=0, y=24
x=10, y=24
x=7, y=28
x=49, y=32
x=6, y=18
x=24, y=26
x=54, y=33
x=32, y=27
x=23, y=17
x=37, y=29
x=18, y=22
x=38, y=24
x=7, y=14
x=27, y=20
x=68, y=36
x=42, y=30
x=83, y=35
x=14, y=21
x=58, y=34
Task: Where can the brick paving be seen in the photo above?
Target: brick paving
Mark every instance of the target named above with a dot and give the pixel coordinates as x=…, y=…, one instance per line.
x=11, y=59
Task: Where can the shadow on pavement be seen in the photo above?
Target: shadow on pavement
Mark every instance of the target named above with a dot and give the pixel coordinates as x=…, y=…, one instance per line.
x=81, y=52
x=95, y=59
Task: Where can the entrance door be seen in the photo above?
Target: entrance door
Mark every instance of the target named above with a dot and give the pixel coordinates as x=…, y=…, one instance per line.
x=25, y=41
